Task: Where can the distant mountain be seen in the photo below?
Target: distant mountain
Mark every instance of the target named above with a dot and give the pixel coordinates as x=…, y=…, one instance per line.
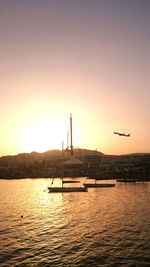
x=53, y=154
x=50, y=154
x=47, y=164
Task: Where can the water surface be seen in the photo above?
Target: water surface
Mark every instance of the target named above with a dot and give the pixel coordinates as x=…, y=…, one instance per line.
x=101, y=227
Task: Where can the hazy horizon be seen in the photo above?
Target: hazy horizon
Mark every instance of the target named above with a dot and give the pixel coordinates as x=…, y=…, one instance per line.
x=51, y=150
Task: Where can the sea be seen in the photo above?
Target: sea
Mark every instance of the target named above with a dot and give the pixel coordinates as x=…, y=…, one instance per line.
x=101, y=227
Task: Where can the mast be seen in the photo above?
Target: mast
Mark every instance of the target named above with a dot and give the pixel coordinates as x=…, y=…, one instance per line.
x=71, y=144
x=68, y=140
x=62, y=162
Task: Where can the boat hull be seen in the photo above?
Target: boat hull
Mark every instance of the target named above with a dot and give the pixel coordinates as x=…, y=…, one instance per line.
x=70, y=182
x=66, y=189
x=128, y=180
x=98, y=185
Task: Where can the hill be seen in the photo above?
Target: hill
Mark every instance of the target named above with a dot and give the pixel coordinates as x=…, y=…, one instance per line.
x=95, y=163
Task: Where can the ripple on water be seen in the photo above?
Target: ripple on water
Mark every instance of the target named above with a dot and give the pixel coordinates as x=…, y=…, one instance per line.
x=99, y=228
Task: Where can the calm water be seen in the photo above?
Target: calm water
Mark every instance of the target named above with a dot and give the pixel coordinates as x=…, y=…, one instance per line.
x=103, y=227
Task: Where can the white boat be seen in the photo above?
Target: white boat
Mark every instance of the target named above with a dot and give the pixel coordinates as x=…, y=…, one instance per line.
x=65, y=189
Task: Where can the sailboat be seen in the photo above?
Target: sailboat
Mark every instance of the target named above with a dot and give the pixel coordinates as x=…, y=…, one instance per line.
x=65, y=189
x=75, y=162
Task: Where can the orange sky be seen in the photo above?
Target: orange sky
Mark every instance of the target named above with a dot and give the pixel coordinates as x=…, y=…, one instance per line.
x=88, y=58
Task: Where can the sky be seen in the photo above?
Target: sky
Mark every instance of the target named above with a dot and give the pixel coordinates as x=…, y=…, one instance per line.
x=86, y=57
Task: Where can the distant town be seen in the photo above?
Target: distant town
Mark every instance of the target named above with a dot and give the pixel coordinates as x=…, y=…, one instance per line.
x=89, y=163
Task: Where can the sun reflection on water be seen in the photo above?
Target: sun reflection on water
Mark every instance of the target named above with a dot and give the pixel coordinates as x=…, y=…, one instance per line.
x=63, y=227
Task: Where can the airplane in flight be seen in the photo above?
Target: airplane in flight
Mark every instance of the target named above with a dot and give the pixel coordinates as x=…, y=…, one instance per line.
x=122, y=134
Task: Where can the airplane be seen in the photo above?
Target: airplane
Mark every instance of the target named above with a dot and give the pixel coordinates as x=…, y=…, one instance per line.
x=122, y=134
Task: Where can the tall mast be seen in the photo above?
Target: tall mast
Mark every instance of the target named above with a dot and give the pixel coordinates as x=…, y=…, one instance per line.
x=71, y=144
x=68, y=140
x=62, y=162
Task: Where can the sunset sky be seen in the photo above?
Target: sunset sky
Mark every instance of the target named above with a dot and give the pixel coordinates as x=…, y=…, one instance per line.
x=90, y=58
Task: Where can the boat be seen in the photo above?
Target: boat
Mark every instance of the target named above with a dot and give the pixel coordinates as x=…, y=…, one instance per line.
x=65, y=189
x=95, y=185
x=128, y=180
x=74, y=162
x=98, y=185
x=70, y=182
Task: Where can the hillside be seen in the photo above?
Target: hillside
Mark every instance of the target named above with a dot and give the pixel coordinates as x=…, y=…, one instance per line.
x=49, y=164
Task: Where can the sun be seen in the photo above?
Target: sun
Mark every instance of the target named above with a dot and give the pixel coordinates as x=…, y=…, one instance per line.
x=42, y=135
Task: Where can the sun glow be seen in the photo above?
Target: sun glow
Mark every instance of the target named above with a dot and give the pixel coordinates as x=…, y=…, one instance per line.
x=41, y=136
